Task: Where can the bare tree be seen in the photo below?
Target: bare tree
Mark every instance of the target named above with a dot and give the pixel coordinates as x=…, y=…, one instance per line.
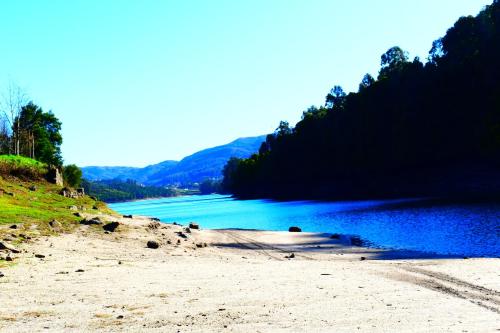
x=10, y=109
x=4, y=136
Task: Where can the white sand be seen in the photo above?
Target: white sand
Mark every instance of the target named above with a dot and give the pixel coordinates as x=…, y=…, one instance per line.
x=240, y=282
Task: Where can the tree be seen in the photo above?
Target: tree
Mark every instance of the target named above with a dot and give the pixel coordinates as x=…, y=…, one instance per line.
x=392, y=61
x=367, y=81
x=39, y=134
x=230, y=170
x=72, y=175
x=336, y=97
x=4, y=137
x=209, y=186
x=10, y=109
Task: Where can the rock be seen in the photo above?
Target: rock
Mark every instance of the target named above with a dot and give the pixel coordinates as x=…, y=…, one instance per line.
x=193, y=225
x=14, y=226
x=362, y=258
x=199, y=245
x=55, y=177
x=294, y=229
x=291, y=256
x=178, y=241
x=32, y=188
x=335, y=236
x=128, y=216
x=181, y=234
x=1, y=275
x=153, y=225
x=8, y=258
x=92, y=221
x=55, y=224
x=155, y=219
x=187, y=230
x=119, y=317
x=111, y=226
x=4, y=246
x=153, y=244
x=79, y=271
x=73, y=208
x=39, y=256
x=95, y=207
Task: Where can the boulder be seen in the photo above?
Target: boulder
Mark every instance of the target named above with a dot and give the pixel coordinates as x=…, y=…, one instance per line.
x=54, y=224
x=111, y=227
x=32, y=188
x=14, y=226
x=294, y=229
x=73, y=208
x=193, y=225
x=152, y=244
x=1, y=275
x=92, y=221
x=155, y=219
x=5, y=246
x=128, y=216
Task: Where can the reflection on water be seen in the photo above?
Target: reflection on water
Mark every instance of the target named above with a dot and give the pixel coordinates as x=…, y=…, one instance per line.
x=458, y=229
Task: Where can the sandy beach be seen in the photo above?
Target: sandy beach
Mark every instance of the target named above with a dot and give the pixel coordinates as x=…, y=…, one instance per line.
x=238, y=281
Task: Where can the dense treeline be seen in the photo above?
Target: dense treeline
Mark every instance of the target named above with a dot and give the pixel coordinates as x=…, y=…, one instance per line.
x=117, y=190
x=415, y=128
x=27, y=130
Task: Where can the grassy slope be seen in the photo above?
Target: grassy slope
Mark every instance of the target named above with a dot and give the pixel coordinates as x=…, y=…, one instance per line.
x=33, y=210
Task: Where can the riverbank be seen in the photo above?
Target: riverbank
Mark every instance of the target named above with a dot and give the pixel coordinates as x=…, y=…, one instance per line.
x=238, y=281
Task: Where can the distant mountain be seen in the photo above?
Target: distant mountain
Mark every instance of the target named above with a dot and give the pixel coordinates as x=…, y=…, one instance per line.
x=204, y=164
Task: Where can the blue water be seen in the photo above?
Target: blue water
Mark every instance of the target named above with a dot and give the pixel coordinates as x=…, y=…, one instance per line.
x=449, y=229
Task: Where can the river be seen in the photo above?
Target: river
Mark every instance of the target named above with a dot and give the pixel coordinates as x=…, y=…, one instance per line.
x=443, y=228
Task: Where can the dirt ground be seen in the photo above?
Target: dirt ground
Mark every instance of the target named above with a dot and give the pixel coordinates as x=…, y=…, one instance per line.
x=239, y=281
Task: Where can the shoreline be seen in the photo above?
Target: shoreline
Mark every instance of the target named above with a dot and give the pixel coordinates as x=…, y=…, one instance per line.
x=239, y=281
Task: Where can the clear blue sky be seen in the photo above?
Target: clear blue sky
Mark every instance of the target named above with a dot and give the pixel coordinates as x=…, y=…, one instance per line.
x=138, y=82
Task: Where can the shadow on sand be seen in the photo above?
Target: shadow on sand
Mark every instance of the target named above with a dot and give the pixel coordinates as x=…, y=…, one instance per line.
x=318, y=243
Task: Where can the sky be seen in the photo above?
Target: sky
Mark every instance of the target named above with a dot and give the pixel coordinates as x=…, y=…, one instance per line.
x=138, y=82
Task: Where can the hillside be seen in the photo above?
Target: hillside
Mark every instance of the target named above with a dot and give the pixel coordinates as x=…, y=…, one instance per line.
x=34, y=205
x=207, y=163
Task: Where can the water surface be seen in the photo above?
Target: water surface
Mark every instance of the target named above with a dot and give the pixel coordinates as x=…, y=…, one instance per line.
x=456, y=229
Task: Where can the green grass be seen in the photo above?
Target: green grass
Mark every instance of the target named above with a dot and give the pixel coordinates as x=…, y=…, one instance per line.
x=22, y=167
x=41, y=206
x=33, y=210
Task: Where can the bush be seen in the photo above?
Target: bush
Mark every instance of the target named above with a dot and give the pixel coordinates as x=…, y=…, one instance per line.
x=72, y=175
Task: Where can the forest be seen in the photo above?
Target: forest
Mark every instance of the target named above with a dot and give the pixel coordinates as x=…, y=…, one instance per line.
x=116, y=190
x=418, y=128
